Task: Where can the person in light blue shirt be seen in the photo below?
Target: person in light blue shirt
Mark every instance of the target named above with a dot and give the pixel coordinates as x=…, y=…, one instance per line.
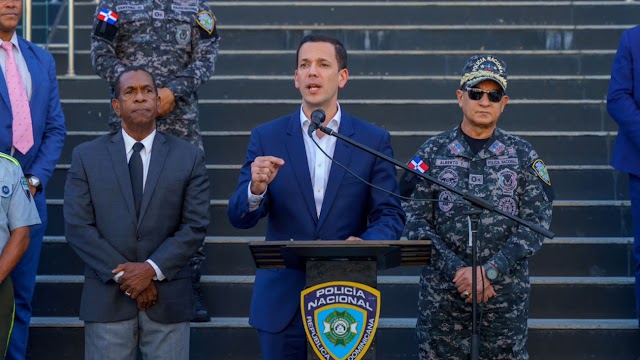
x=17, y=213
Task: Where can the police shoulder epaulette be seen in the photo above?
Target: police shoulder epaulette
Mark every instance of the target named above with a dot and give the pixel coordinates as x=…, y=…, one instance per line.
x=10, y=158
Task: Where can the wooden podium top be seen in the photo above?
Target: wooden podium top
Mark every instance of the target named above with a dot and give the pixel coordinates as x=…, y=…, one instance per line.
x=387, y=253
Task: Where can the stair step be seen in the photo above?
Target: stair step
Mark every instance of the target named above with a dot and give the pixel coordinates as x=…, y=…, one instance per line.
x=230, y=149
x=423, y=12
x=596, y=184
x=551, y=297
x=85, y=115
x=609, y=219
x=606, y=258
x=364, y=87
x=62, y=338
x=386, y=63
x=408, y=37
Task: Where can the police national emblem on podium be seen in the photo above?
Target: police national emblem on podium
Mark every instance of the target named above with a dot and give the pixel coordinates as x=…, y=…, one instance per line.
x=340, y=318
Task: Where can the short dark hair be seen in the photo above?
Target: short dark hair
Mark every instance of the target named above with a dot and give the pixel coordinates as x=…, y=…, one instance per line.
x=341, y=52
x=128, y=69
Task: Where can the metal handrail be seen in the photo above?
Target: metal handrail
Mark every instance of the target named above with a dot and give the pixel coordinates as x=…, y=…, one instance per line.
x=71, y=49
x=27, y=25
x=26, y=28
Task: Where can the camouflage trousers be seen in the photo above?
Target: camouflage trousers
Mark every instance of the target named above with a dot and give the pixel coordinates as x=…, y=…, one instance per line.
x=188, y=131
x=444, y=324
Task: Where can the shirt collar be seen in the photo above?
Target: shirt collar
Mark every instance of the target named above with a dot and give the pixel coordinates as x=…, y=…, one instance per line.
x=334, y=124
x=129, y=141
x=14, y=41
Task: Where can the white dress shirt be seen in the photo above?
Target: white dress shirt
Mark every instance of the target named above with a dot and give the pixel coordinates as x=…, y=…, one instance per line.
x=319, y=164
x=145, y=154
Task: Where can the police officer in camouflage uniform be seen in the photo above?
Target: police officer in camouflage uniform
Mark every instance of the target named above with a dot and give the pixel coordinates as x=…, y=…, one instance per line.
x=177, y=41
x=485, y=161
x=17, y=213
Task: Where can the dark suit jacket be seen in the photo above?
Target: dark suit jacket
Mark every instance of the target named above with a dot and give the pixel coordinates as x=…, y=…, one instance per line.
x=46, y=115
x=350, y=207
x=623, y=102
x=101, y=223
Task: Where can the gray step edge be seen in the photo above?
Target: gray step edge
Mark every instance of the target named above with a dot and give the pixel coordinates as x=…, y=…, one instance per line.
x=384, y=323
x=556, y=203
x=382, y=280
x=396, y=3
x=602, y=101
x=367, y=77
x=238, y=167
x=398, y=133
x=452, y=27
x=225, y=240
x=249, y=52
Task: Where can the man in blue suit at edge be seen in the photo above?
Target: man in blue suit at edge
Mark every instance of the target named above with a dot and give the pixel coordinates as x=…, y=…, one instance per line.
x=305, y=196
x=34, y=131
x=623, y=104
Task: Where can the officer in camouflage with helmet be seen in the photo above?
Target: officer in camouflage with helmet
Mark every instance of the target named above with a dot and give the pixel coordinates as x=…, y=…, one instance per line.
x=487, y=162
x=175, y=40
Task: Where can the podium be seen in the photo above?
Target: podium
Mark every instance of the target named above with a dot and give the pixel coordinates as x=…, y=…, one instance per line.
x=328, y=261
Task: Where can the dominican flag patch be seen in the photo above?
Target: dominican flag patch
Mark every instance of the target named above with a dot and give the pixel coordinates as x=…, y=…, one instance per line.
x=417, y=164
x=108, y=16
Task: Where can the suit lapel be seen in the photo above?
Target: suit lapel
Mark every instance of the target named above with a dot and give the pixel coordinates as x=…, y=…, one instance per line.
x=35, y=70
x=298, y=157
x=121, y=169
x=342, y=154
x=156, y=163
x=4, y=91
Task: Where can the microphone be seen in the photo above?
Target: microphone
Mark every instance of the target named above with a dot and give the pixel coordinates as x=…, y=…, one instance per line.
x=317, y=118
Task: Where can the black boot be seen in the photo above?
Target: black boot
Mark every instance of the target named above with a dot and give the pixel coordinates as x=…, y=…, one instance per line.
x=200, y=313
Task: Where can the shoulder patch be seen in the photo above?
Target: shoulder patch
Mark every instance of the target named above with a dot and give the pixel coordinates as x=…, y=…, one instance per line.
x=106, y=27
x=417, y=164
x=108, y=16
x=25, y=187
x=206, y=21
x=10, y=158
x=540, y=169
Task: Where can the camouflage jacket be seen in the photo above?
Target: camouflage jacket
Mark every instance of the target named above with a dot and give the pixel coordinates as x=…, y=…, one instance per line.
x=176, y=41
x=507, y=172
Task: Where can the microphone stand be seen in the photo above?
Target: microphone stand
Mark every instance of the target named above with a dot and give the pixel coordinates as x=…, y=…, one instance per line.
x=473, y=215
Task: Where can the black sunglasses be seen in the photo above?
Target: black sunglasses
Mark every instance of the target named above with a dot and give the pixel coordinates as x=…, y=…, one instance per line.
x=477, y=94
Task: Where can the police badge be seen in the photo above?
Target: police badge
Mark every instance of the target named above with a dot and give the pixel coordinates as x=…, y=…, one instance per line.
x=183, y=35
x=340, y=318
x=206, y=21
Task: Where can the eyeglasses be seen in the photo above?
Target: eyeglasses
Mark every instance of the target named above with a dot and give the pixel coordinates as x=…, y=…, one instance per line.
x=477, y=94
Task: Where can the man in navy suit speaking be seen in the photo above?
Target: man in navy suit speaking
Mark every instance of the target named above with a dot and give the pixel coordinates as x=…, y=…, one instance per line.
x=305, y=197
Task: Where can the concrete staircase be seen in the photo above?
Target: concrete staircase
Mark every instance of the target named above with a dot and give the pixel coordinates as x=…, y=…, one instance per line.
x=405, y=59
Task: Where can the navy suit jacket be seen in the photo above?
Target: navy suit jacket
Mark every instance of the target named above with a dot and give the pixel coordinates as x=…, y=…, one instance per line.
x=46, y=115
x=623, y=102
x=102, y=228
x=350, y=207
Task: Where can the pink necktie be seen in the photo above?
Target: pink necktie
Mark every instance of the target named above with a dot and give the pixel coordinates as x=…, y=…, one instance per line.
x=22, y=131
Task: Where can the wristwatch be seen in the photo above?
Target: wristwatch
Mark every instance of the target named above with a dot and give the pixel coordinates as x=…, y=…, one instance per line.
x=491, y=272
x=35, y=182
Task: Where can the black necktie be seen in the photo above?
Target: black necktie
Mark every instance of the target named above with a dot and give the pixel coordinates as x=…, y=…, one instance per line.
x=135, y=172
